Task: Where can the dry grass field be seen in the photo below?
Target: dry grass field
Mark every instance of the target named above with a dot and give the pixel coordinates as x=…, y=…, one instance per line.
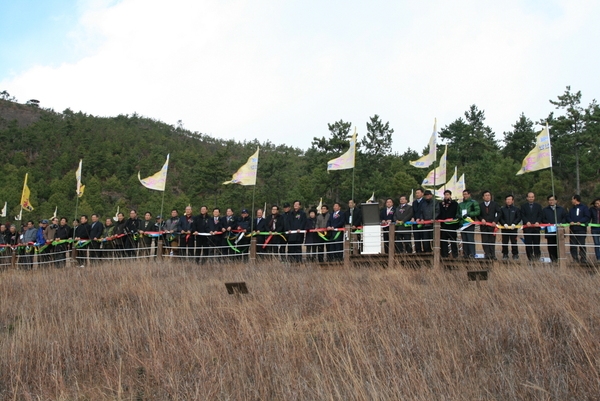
x=170, y=331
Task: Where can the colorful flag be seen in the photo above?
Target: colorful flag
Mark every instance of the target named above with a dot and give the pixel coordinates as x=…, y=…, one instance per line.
x=540, y=157
x=4, y=210
x=346, y=160
x=440, y=172
x=158, y=180
x=460, y=187
x=246, y=175
x=80, y=188
x=449, y=186
x=25, y=203
x=319, y=206
x=429, y=158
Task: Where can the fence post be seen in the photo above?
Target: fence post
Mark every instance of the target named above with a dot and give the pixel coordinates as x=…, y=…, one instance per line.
x=436, y=245
x=561, y=247
x=253, y=249
x=391, y=245
x=13, y=260
x=159, y=247
x=74, y=252
x=347, y=261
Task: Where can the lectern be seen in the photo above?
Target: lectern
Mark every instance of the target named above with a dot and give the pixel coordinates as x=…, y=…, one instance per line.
x=371, y=236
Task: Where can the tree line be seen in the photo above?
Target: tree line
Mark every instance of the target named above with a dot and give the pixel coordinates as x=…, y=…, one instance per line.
x=114, y=149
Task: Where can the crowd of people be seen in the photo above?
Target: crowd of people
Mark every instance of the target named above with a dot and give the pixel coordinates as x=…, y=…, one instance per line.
x=286, y=231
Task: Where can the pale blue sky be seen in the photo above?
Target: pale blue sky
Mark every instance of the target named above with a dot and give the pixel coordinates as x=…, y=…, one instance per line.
x=282, y=70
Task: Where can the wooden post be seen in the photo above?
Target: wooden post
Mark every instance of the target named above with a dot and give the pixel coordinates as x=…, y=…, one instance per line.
x=391, y=245
x=13, y=260
x=561, y=247
x=74, y=252
x=159, y=247
x=347, y=261
x=253, y=249
x=436, y=245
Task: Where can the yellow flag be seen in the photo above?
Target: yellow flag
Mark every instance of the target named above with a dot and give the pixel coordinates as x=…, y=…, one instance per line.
x=157, y=181
x=346, y=160
x=25, y=203
x=440, y=172
x=80, y=188
x=246, y=175
x=540, y=157
x=429, y=158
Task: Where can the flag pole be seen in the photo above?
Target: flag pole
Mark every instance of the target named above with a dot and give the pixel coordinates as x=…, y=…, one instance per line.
x=353, y=168
x=558, y=250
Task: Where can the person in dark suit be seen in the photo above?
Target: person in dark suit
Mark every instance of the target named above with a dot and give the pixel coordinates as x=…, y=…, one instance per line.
x=312, y=238
x=96, y=229
x=418, y=233
x=404, y=213
x=489, y=213
x=336, y=220
x=386, y=215
x=448, y=211
x=296, y=222
x=260, y=225
x=230, y=223
x=200, y=242
x=510, y=216
x=354, y=220
x=579, y=214
x=531, y=213
x=82, y=233
x=148, y=224
x=216, y=230
x=553, y=214
x=275, y=224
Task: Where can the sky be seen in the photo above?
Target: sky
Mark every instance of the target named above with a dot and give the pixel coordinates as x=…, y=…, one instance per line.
x=282, y=70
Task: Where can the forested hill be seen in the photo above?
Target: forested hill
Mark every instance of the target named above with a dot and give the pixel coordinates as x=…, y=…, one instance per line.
x=48, y=145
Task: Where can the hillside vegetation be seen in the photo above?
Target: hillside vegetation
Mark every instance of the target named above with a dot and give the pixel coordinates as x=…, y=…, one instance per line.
x=48, y=145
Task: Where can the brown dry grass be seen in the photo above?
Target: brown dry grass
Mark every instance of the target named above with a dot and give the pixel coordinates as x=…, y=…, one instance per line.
x=170, y=331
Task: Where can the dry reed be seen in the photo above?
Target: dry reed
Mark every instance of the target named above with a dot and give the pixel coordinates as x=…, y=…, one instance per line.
x=135, y=331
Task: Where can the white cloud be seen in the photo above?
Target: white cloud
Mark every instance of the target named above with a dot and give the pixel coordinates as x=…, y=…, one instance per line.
x=241, y=69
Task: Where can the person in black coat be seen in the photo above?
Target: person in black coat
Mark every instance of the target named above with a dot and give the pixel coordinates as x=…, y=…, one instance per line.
x=404, y=213
x=336, y=220
x=260, y=225
x=274, y=227
x=418, y=232
x=63, y=232
x=198, y=227
x=187, y=228
x=230, y=223
x=386, y=215
x=96, y=229
x=531, y=213
x=312, y=238
x=448, y=211
x=490, y=213
x=82, y=233
x=216, y=230
x=241, y=241
x=147, y=225
x=296, y=221
x=132, y=228
x=553, y=214
x=578, y=214
x=354, y=220
x=510, y=216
